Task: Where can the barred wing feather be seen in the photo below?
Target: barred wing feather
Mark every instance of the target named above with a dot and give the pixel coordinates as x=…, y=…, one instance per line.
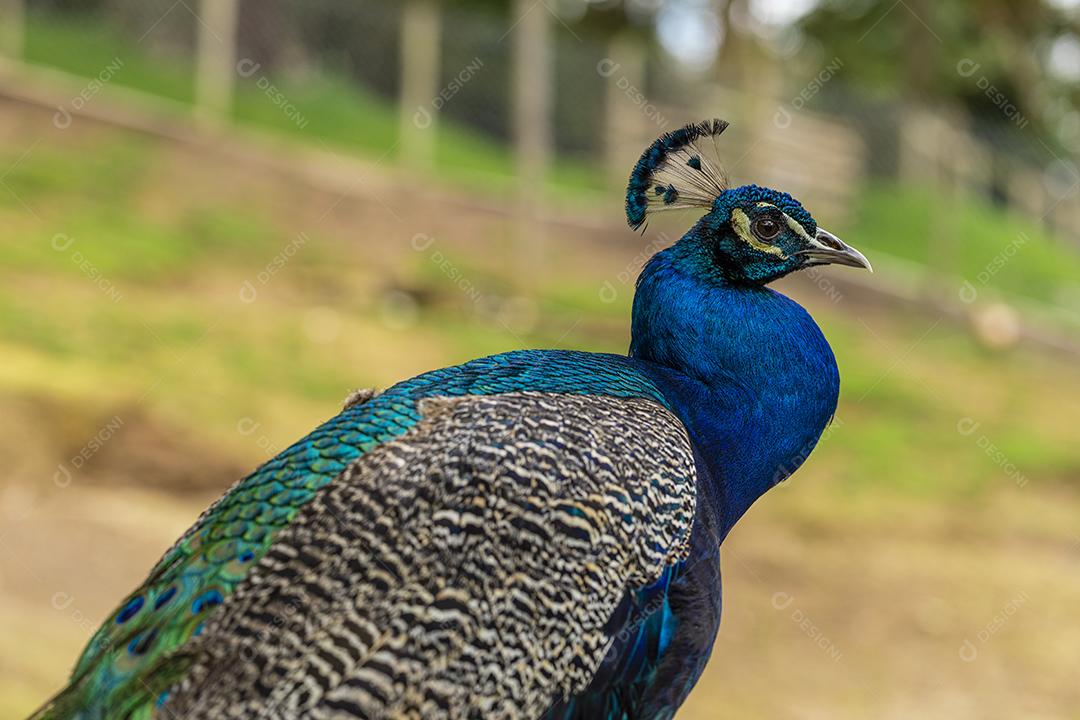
x=469, y=568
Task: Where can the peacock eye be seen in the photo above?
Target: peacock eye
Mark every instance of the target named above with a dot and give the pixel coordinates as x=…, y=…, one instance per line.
x=766, y=228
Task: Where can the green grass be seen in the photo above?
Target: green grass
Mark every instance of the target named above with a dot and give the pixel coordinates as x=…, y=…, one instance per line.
x=82, y=45
x=322, y=110
x=121, y=245
x=963, y=237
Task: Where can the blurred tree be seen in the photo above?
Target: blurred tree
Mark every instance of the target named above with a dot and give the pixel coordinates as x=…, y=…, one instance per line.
x=581, y=37
x=987, y=54
x=595, y=17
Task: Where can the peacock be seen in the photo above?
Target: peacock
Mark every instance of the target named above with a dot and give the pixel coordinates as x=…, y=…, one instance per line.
x=534, y=534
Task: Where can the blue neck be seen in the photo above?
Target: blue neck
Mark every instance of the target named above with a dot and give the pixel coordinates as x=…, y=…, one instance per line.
x=746, y=368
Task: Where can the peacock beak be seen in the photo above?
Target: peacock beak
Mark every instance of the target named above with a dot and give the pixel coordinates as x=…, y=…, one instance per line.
x=832, y=250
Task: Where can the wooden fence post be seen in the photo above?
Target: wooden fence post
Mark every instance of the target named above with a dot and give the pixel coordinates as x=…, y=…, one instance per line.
x=216, y=59
x=12, y=27
x=420, y=33
x=533, y=70
x=628, y=121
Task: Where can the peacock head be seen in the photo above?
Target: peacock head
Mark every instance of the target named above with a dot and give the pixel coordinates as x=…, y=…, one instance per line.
x=750, y=234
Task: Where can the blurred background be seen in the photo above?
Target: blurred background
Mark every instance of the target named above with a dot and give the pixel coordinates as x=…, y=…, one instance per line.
x=219, y=216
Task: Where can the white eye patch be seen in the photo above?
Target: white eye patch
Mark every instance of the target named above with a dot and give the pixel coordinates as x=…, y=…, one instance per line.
x=741, y=222
x=795, y=226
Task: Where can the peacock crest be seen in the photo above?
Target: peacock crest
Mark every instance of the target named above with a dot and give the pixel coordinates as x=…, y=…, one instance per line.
x=674, y=172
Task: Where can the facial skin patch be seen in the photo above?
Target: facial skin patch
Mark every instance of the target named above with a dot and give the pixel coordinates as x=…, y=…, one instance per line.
x=799, y=229
x=795, y=225
x=741, y=223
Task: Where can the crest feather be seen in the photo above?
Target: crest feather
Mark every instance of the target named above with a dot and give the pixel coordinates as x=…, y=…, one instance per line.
x=673, y=173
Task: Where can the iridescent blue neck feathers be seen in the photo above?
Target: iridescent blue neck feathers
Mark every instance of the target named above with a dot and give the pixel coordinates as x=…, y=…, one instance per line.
x=745, y=367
